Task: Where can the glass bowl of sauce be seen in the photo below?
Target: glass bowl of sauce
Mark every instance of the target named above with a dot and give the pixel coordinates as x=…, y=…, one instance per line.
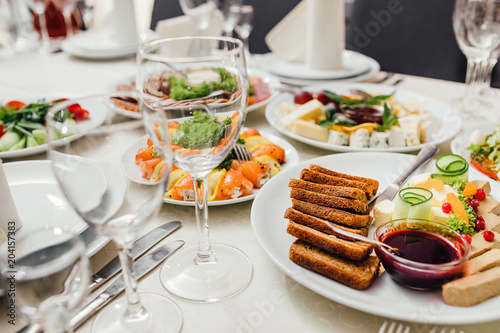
x=428, y=254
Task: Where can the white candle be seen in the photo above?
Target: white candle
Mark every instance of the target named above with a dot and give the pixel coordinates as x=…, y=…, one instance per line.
x=124, y=25
x=9, y=218
x=325, y=34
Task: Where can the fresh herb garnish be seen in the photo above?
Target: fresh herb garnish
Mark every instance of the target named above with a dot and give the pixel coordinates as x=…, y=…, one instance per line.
x=200, y=132
x=375, y=100
x=388, y=119
x=334, y=118
x=460, y=226
x=226, y=164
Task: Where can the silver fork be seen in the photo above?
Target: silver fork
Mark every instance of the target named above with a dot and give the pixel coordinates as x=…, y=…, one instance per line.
x=242, y=152
x=393, y=327
x=445, y=330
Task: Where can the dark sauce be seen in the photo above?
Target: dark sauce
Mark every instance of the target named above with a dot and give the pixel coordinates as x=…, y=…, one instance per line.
x=422, y=246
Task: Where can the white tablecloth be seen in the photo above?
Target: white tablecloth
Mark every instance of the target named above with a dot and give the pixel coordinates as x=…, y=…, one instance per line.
x=257, y=308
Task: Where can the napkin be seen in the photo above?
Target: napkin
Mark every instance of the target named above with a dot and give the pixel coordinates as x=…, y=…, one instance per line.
x=124, y=28
x=182, y=26
x=312, y=33
x=7, y=207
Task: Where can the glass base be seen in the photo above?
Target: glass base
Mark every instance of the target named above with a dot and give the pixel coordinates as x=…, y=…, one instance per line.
x=207, y=282
x=163, y=316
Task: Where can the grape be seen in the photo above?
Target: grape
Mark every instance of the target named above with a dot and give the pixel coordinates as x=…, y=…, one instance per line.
x=302, y=97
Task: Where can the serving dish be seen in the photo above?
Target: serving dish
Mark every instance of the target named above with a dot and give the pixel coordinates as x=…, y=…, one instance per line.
x=132, y=171
x=446, y=123
x=384, y=297
x=40, y=201
x=97, y=115
x=460, y=142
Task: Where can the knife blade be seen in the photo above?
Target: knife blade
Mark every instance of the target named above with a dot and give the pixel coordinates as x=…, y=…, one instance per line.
x=141, y=245
x=390, y=192
x=141, y=268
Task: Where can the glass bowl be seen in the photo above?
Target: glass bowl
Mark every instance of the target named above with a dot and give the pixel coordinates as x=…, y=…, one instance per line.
x=430, y=253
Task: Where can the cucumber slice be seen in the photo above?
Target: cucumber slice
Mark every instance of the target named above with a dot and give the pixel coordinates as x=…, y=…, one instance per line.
x=413, y=202
x=31, y=142
x=8, y=140
x=452, y=164
x=19, y=145
x=40, y=136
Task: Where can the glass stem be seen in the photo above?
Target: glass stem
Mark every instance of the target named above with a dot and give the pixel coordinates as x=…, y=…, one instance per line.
x=472, y=79
x=135, y=310
x=44, y=32
x=69, y=24
x=205, y=253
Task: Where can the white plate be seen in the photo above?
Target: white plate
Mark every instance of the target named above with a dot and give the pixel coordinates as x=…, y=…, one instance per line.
x=273, y=84
x=384, y=297
x=460, y=143
x=131, y=169
x=40, y=201
x=353, y=64
x=100, y=44
x=97, y=114
x=446, y=122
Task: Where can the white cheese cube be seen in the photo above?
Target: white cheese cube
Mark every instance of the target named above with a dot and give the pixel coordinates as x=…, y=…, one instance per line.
x=379, y=140
x=338, y=138
x=360, y=138
x=439, y=197
x=396, y=137
x=421, y=177
x=382, y=212
x=438, y=215
x=426, y=129
x=310, y=130
x=477, y=138
x=310, y=110
x=411, y=127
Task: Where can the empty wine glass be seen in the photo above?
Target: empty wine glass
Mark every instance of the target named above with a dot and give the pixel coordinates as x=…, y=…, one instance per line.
x=67, y=7
x=51, y=274
x=92, y=166
x=199, y=11
x=38, y=7
x=244, y=25
x=485, y=91
x=202, y=132
x=476, y=24
x=230, y=12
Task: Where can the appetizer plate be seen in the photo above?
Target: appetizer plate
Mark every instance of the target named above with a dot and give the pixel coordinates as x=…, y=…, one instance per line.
x=384, y=297
x=97, y=114
x=273, y=84
x=460, y=143
x=446, y=122
x=131, y=169
x=40, y=201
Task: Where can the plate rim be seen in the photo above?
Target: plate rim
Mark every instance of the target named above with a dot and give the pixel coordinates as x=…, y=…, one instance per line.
x=303, y=276
x=452, y=131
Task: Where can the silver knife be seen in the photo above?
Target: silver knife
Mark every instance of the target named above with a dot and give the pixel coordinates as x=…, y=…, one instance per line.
x=141, y=245
x=390, y=192
x=141, y=268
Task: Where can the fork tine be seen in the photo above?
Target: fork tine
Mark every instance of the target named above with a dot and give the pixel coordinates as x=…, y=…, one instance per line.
x=393, y=327
x=237, y=152
x=382, y=328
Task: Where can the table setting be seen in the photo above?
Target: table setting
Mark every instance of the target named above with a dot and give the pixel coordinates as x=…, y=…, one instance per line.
x=129, y=208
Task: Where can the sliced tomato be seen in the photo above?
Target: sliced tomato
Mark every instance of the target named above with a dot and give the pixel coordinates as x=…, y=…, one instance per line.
x=15, y=105
x=78, y=112
x=484, y=169
x=1, y=130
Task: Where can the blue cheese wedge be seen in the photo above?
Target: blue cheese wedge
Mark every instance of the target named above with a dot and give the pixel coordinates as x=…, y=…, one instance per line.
x=360, y=138
x=338, y=138
x=379, y=140
x=411, y=128
x=310, y=130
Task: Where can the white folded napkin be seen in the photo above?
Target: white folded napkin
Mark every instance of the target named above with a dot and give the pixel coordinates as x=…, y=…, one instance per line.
x=312, y=33
x=124, y=26
x=8, y=211
x=182, y=26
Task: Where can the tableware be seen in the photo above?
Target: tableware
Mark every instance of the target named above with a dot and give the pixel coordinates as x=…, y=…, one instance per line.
x=202, y=135
x=389, y=327
x=477, y=30
x=67, y=6
x=244, y=24
x=231, y=16
x=141, y=267
x=38, y=7
x=38, y=197
x=121, y=212
x=97, y=114
x=50, y=272
x=412, y=266
x=445, y=122
x=141, y=246
x=132, y=171
x=385, y=297
x=100, y=44
x=460, y=142
x=200, y=12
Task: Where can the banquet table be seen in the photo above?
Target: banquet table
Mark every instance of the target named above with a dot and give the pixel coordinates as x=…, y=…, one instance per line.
x=273, y=302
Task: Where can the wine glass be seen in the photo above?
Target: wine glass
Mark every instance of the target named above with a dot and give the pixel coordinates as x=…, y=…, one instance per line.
x=476, y=24
x=51, y=275
x=200, y=12
x=230, y=12
x=38, y=7
x=67, y=7
x=244, y=25
x=92, y=166
x=485, y=91
x=203, y=132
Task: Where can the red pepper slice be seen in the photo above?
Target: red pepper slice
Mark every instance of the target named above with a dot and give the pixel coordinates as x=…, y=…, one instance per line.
x=484, y=169
x=78, y=112
x=15, y=105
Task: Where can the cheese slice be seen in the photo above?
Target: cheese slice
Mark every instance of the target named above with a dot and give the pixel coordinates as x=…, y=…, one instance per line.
x=382, y=212
x=310, y=130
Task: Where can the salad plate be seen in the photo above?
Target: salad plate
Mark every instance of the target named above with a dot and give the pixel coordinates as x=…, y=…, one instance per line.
x=384, y=297
x=97, y=115
x=40, y=201
x=131, y=170
x=272, y=82
x=445, y=122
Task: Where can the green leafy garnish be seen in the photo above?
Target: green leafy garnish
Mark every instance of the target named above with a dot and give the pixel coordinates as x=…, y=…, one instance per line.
x=200, y=132
x=388, y=119
x=226, y=164
x=334, y=118
x=375, y=100
x=460, y=226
